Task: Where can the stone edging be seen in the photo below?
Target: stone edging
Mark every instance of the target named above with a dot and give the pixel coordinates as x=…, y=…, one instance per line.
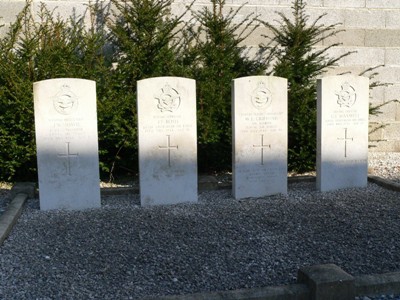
x=386, y=183
x=20, y=192
x=320, y=282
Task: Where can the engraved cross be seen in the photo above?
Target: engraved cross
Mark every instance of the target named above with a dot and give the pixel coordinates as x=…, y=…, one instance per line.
x=345, y=139
x=262, y=147
x=68, y=156
x=169, y=147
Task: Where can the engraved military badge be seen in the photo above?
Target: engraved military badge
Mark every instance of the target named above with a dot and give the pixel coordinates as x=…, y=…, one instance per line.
x=346, y=96
x=65, y=101
x=261, y=97
x=169, y=99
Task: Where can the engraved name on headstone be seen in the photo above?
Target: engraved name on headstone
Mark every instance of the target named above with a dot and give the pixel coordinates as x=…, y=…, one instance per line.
x=342, y=132
x=259, y=118
x=167, y=140
x=67, y=144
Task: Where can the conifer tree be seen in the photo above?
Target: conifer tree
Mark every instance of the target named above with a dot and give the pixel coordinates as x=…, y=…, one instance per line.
x=220, y=57
x=144, y=35
x=295, y=48
x=37, y=47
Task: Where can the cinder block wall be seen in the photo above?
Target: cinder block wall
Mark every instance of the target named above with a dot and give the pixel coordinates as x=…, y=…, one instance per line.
x=372, y=28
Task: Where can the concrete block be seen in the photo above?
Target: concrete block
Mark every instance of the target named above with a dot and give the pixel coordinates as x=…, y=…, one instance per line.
x=243, y=12
x=270, y=15
x=382, y=4
x=392, y=131
x=315, y=3
x=375, y=132
x=327, y=282
x=350, y=37
x=384, y=146
x=64, y=9
x=197, y=1
x=344, y=3
x=333, y=16
x=392, y=56
x=337, y=52
x=389, y=75
x=207, y=183
x=382, y=38
x=9, y=10
x=178, y=9
x=3, y=29
x=9, y=218
x=377, y=285
x=256, y=2
x=393, y=186
x=392, y=92
x=392, y=18
x=285, y=2
x=397, y=112
x=251, y=52
x=363, y=18
x=375, y=118
x=288, y=3
x=260, y=35
x=27, y=188
x=388, y=113
x=377, y=95
x=344, y=70
x=288, y=292
x=60, y=1
x=365, y=56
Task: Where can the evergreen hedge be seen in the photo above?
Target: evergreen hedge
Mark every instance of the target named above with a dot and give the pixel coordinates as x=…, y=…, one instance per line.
x=129, y=40
x=292, y=47
x=38, y=47
x=220, y=57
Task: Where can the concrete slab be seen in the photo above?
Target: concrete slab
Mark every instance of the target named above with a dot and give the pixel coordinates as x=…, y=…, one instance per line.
x=386, y=183
x=327, y=282
x=11, y=215
x=27, y=188
x=288, y=292
x=377, y=285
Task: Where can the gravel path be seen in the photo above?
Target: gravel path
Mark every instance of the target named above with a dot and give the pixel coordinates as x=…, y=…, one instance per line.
x=124, y=251
x=385, y=164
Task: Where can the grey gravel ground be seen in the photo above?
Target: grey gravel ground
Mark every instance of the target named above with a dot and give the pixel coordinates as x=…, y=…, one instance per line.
x=385, y=164
x=124, y=251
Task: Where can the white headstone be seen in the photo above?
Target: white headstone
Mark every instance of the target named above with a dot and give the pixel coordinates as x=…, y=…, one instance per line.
x=167, y=140
x=67, y=144
x=259, y=118
x=342, y=132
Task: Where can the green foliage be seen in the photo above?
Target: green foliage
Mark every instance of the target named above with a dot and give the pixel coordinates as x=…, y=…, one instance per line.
x=138, y=41
x=293, y=48
x=141, y=39
x=144, y=37
x=34, y=50
x=219, y=58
